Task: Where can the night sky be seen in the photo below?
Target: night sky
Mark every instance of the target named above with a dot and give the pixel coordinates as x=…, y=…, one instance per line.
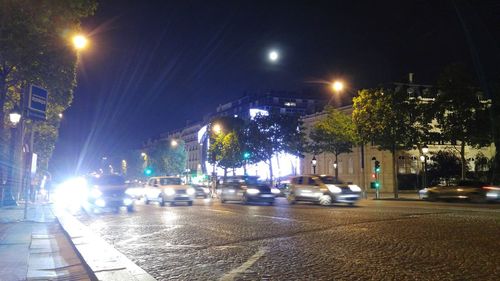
x=153, y=65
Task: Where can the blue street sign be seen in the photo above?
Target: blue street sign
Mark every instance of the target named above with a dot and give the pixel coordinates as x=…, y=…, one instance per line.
x=37, y=102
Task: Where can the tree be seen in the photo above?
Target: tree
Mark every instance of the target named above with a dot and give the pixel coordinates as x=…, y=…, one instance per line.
x=166, y=158
x=445, y=164
x=392, y=120
x=462, y=116
x=267, y=135
x=335, y=133
x=231, y=152
x=36, y=49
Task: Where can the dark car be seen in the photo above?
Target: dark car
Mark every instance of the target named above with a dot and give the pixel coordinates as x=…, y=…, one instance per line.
x=109, y=191
x=471, y=190
x=324, y=190
x=247, y=189
x=202, y=191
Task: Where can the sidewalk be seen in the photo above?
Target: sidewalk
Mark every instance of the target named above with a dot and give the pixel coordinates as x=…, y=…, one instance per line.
x=36, y=248
x=402, y=196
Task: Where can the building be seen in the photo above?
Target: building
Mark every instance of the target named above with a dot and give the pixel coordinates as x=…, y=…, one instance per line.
x=358, y=166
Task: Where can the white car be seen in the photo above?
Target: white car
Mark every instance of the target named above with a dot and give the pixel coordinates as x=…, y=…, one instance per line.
x=168, y=190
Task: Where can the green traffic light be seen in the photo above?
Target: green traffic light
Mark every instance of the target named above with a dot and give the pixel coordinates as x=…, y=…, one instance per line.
x=246, y=155
x=148, y=171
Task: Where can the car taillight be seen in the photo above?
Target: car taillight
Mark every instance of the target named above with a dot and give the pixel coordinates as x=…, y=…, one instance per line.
x=491, y=187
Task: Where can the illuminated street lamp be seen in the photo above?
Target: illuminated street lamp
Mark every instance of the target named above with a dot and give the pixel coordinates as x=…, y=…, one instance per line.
x=217, y=128
x=15, y=116
x=335, y=167
x=80, y=42
x=173, y=143
x=7, y=197
x=337, y=86
x=313, y=163
x=423, y=158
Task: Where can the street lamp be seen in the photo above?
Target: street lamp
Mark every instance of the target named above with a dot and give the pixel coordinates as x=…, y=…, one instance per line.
x=173, y=143
x=217, y=128
x=423, y=158
x=313, y=163
x=15, y=116
x=337, y=86
x=80, y=42
x=335, y=167
x=7, y=197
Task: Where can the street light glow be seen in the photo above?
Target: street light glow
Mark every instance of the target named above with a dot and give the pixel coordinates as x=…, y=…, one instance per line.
x=15, y=117
x=217, y=128
x=337, y=86
x=274, y=56
x=79, y=41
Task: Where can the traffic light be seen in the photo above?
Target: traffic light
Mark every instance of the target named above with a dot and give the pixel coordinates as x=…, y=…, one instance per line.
x=377, y=167
x=374, y=176
x=375, y=185
x=148, y=171
x=246, y=155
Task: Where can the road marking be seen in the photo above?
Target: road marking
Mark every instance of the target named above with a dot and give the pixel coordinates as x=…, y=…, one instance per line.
x=145, y=235
x=221, y=211
x=246, y=265
x=277, y=218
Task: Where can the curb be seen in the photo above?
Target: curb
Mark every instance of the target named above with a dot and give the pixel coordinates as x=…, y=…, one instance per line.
x=103, y=260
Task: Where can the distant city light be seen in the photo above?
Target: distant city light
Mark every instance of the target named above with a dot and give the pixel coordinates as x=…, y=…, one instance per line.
x=274, y=56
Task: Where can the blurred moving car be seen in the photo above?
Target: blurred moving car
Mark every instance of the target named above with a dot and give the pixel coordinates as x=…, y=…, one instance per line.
x=323, y=190
x=168, y=190
x=135, y=189
x=108, y=191
x=202, y=191
x=472, y=190
x=247, y=189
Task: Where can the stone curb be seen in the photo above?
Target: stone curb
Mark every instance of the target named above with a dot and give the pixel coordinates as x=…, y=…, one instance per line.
x=102, y=259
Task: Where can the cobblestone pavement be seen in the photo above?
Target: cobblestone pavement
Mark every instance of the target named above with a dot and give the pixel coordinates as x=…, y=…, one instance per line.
x=377, y=240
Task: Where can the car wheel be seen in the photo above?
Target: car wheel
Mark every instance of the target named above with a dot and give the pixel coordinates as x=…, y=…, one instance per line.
x=477, y=198
x=190, y=203
x=130, y=208
x=244, y=200
x=223, y=201
x=146, y=201
x=431, y=197
x=350, y=204
x=161, y=201
x=325, y=200
x=291, y=199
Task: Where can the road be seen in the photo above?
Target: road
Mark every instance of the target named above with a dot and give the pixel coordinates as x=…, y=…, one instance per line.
x=377, y=240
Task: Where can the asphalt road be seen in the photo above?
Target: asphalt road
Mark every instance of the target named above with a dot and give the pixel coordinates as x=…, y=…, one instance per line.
x=377, y=240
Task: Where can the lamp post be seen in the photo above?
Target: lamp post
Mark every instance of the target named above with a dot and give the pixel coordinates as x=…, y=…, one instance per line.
x=423, y=158
x=313, y=163
x=7, y=197
x=336, y=168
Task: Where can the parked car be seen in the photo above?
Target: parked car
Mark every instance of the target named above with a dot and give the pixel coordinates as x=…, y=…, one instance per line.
x=168, y=190
x=108, y=191
x=247, y=189
x=472, y=190
x=323, y=190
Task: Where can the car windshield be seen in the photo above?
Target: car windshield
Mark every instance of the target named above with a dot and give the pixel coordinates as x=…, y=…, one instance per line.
x=330, y=180
x=108, y=180
x=170, y=181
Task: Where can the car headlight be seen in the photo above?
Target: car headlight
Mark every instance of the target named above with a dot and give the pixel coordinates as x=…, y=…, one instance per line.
x=128, y=201
x=100, y=202
x=491, y=195
x=252, y=191
x=190, y=191
x=231, y=191
x=423, y=191
x=333, y=188
x=275, y=191
x=206, y=190
x=95, y=193
x=169, y=191
x=354, y=188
